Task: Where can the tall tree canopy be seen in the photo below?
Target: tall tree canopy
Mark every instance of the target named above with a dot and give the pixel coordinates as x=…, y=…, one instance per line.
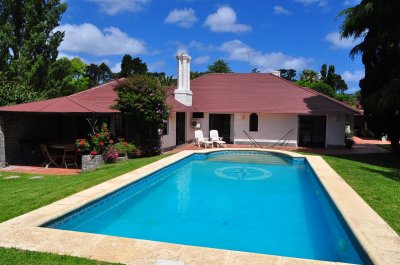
x=28, y=42
x=98, y=74
x=377, y=25
x=288, y=74
x=219, y=66
x=66, y=77
x=131, y=66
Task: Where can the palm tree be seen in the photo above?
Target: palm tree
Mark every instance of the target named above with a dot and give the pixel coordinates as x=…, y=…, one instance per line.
x=376, y=24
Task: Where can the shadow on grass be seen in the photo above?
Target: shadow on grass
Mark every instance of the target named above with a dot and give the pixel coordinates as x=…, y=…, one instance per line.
x=388, y=161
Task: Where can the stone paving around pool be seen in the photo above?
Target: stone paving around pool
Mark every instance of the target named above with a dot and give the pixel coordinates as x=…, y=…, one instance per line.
x=379, y=241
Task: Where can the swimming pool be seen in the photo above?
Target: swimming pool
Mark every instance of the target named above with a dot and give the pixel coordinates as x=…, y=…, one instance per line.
x=238, y=200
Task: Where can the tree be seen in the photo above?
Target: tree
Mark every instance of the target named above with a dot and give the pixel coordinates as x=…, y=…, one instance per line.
x=219, y=66
x=377, y=25
x=255, y=71
x=194, y=75
x=324, y=72
x=98, y=74
x=131, y=66
x=309, y=76
x=148, y=114
x=28, y=41
x=288, y=74
x=66, y=77
x=318, y=86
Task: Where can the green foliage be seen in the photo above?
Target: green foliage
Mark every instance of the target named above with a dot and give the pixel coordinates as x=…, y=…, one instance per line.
x=98, y=74
x=219, y=66
x=288, y=74
x=131, y=66
x=144, y=99
x=326, y=82
x=97, y=143
x=12, y=93
x=194, y=75
x=28, y=42
x=309, y=76
x=318, y=86
x=124, y=148
x=377, y=25
x=66, y=77
x=163, y=78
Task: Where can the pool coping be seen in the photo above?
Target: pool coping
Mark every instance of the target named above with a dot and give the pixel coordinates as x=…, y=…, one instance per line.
x=378, y=240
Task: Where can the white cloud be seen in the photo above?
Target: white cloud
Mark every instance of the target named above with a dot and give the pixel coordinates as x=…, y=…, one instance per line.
x=224, y=20
x=184, y=18
x=353, y=76
x=265, y=62
x=339, y=43
x=320, y=3
x=281, y=10
x=87, y=38
x=201, y=47
x=116, y=68
x=113, y=7
x=202, y=59
x=351, y=2
x=156, y=66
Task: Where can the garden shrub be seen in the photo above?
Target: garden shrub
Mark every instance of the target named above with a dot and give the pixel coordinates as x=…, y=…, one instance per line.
x=144, y=99
x=124, y=148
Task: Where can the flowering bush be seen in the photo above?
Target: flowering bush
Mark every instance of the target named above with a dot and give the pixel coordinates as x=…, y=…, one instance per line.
x=143, y=100
x=125, y=148
x=111, y=155
x=97, y=143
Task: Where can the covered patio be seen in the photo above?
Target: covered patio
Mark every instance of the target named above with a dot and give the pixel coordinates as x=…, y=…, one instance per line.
x=55, y=124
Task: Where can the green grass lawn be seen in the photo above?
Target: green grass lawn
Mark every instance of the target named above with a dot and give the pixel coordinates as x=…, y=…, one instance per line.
x=376, y=178
x=18, y=196
x=23, y=257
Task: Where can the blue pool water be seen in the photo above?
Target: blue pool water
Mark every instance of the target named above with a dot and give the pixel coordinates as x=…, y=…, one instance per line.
x=237, y=200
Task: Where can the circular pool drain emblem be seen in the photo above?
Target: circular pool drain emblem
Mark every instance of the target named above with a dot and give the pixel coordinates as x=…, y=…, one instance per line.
x=242, y=173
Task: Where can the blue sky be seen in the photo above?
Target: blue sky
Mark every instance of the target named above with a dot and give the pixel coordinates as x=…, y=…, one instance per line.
x=267, y=35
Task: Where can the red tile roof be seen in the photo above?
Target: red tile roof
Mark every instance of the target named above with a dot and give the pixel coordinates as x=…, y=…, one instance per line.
x=216, y=93
x=98, y=99
x=230, y=93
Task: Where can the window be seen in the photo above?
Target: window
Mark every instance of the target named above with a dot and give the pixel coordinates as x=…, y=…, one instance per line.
x=253, y=125
x=198, y=115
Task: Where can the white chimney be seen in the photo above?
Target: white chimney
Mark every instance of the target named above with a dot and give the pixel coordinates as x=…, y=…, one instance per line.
x=183, y=93
x=277, y=73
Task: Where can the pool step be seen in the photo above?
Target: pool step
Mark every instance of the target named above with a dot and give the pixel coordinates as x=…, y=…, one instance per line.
x=250, y=158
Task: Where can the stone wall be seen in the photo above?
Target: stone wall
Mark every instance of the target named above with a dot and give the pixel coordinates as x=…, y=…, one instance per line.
x=91, y=162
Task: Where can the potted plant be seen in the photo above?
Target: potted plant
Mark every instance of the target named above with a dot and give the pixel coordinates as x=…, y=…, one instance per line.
x=125, y=149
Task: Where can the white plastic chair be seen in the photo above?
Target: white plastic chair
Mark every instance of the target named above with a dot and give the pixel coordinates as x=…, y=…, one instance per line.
x=214, y=137
x=200, y=140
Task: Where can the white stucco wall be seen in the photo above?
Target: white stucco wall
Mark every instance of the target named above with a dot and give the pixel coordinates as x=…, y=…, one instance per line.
x=335, y=130
x=170, y=139
x=271, y=128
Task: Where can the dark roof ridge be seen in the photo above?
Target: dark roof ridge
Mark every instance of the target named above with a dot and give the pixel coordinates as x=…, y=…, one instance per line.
x=318, y=93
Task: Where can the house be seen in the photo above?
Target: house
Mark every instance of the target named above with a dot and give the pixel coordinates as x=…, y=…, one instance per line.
x=265, y=106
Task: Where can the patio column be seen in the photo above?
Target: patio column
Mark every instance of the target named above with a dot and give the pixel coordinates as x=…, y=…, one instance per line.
x=2, y=144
